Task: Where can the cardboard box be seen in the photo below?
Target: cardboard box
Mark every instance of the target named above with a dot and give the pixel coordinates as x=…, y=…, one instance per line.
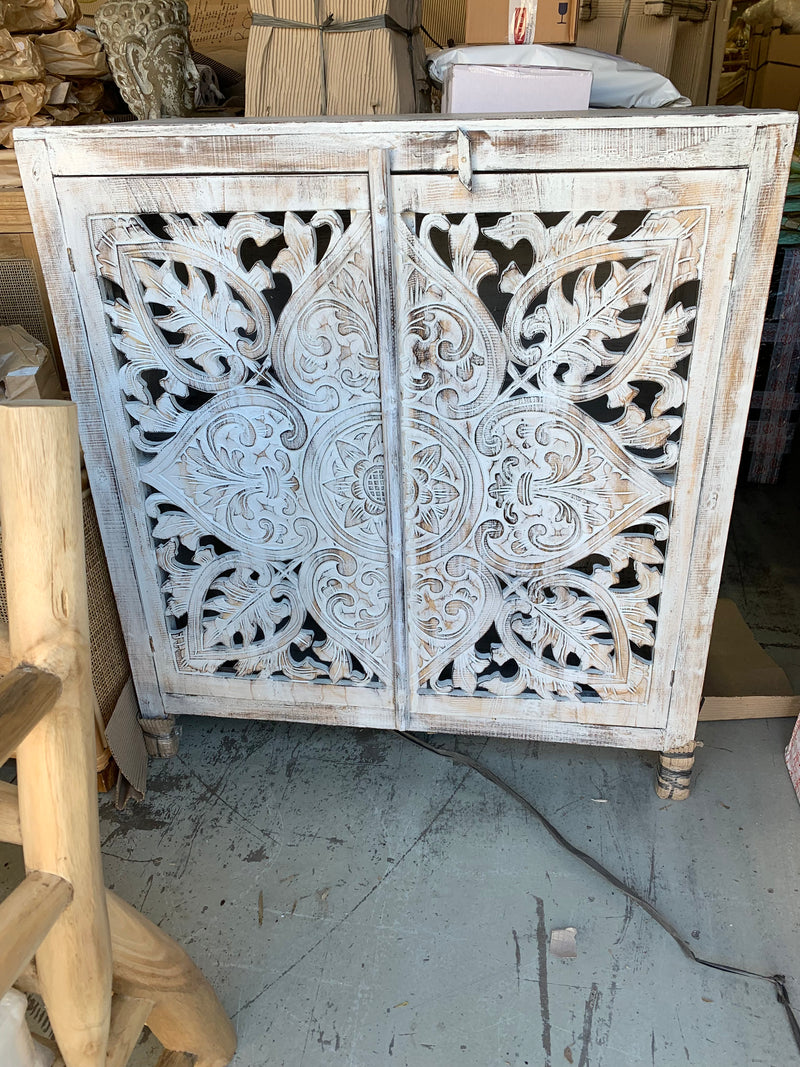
x=522, y=21
x=219, y=29
x=773, y=72
x=293, y=70
x=444, y=21
x=742, y=680
x=471, y=89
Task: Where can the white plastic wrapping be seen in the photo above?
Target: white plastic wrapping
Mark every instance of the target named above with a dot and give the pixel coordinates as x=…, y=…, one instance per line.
x=616, y=82
x=788, y=11
x=17, y=1047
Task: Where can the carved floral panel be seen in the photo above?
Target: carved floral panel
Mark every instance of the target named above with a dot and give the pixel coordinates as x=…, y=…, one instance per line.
x=543, y=362
x=248, y=364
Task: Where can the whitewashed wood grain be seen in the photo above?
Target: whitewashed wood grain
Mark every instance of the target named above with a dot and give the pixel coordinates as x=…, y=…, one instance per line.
x=292, y=334
x=627, y=140
x=53, y=249
x=717, y=469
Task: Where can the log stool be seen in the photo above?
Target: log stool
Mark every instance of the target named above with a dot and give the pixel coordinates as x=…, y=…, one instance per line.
x=102, y=970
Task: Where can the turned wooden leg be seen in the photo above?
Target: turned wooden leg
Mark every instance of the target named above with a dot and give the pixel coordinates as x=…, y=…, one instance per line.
x=675, y=772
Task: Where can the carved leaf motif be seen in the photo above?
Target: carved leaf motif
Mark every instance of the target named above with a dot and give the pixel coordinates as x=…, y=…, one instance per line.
x=685, y=229
x=109, y=235
x=210, y=319
x=640, y=547
x=634, y=430
x=173, y=524
x=299, y=259
x=254, y=618
x=558, y=634
x=564, y=624
x=245, y=603
x=166, y=415
x=217, y=331
x=467, y=668
x=671, y=241
x=469, y=267
x=635, y=607
x=349, y=598
x=553, y=242
x=573, y=331
x=666, y=352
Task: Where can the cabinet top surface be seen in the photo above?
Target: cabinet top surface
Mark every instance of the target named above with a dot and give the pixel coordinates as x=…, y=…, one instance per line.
x=401, y=125
x=636, y=139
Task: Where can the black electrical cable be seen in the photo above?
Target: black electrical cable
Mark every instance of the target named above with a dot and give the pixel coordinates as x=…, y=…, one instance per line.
x=433, y=39
x=777, y=980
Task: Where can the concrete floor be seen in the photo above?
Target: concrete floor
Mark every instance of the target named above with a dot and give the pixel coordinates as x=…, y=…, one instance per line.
x=407, y=903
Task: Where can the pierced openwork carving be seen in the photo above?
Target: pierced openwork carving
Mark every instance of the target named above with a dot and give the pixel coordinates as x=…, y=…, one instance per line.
x=543, y=364
x=248, y=360
x=543, y=367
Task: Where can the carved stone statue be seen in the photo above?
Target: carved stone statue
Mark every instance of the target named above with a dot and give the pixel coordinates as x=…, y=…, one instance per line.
x=147, y=42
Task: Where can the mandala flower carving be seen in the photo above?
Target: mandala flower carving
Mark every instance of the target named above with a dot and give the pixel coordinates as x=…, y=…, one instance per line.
x=363, y=488
x=433, y=491
x=542, y=363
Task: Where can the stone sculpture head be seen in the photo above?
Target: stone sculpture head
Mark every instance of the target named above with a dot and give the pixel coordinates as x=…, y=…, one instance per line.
x=147, y=43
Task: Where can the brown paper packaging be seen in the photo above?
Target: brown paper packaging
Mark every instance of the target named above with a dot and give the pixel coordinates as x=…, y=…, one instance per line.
x=7, y=128
x=72, y=54
x=20, y=59
x=38, y=16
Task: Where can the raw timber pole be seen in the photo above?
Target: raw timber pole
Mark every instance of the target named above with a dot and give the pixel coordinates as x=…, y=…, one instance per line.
x=42, y=523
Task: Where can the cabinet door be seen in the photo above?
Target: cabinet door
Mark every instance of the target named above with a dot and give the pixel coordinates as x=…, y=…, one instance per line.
x=559, y=338
x=235, y=354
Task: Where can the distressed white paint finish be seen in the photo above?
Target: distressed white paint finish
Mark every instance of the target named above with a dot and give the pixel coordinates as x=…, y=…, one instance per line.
x=389, y=451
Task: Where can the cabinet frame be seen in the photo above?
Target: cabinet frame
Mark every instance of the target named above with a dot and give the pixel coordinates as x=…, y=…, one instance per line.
x=387, y=156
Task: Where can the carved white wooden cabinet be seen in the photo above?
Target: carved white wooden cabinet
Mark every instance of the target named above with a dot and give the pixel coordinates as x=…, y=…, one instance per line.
x=399, y=425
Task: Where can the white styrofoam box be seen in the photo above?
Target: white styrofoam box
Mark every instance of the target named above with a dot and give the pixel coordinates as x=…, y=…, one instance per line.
x=475, y=89
x=617, y=82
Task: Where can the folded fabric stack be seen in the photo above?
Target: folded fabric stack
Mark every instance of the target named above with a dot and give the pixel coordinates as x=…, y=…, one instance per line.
x=357, y=57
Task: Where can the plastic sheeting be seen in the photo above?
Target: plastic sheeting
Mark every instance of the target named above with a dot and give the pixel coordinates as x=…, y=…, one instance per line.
x=616, y=82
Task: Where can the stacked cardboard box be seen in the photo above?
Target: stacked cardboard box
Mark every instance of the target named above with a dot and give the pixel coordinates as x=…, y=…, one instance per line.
x=354, y=57
x=501, y=21
x=521, y=22
x=773, y=73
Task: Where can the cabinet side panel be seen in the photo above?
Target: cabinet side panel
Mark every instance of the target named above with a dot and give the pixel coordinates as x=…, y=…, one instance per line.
x=54, y=253
x=761, y=215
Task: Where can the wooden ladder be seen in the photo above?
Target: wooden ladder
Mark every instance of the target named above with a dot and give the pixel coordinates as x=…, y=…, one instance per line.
x=102, y=969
